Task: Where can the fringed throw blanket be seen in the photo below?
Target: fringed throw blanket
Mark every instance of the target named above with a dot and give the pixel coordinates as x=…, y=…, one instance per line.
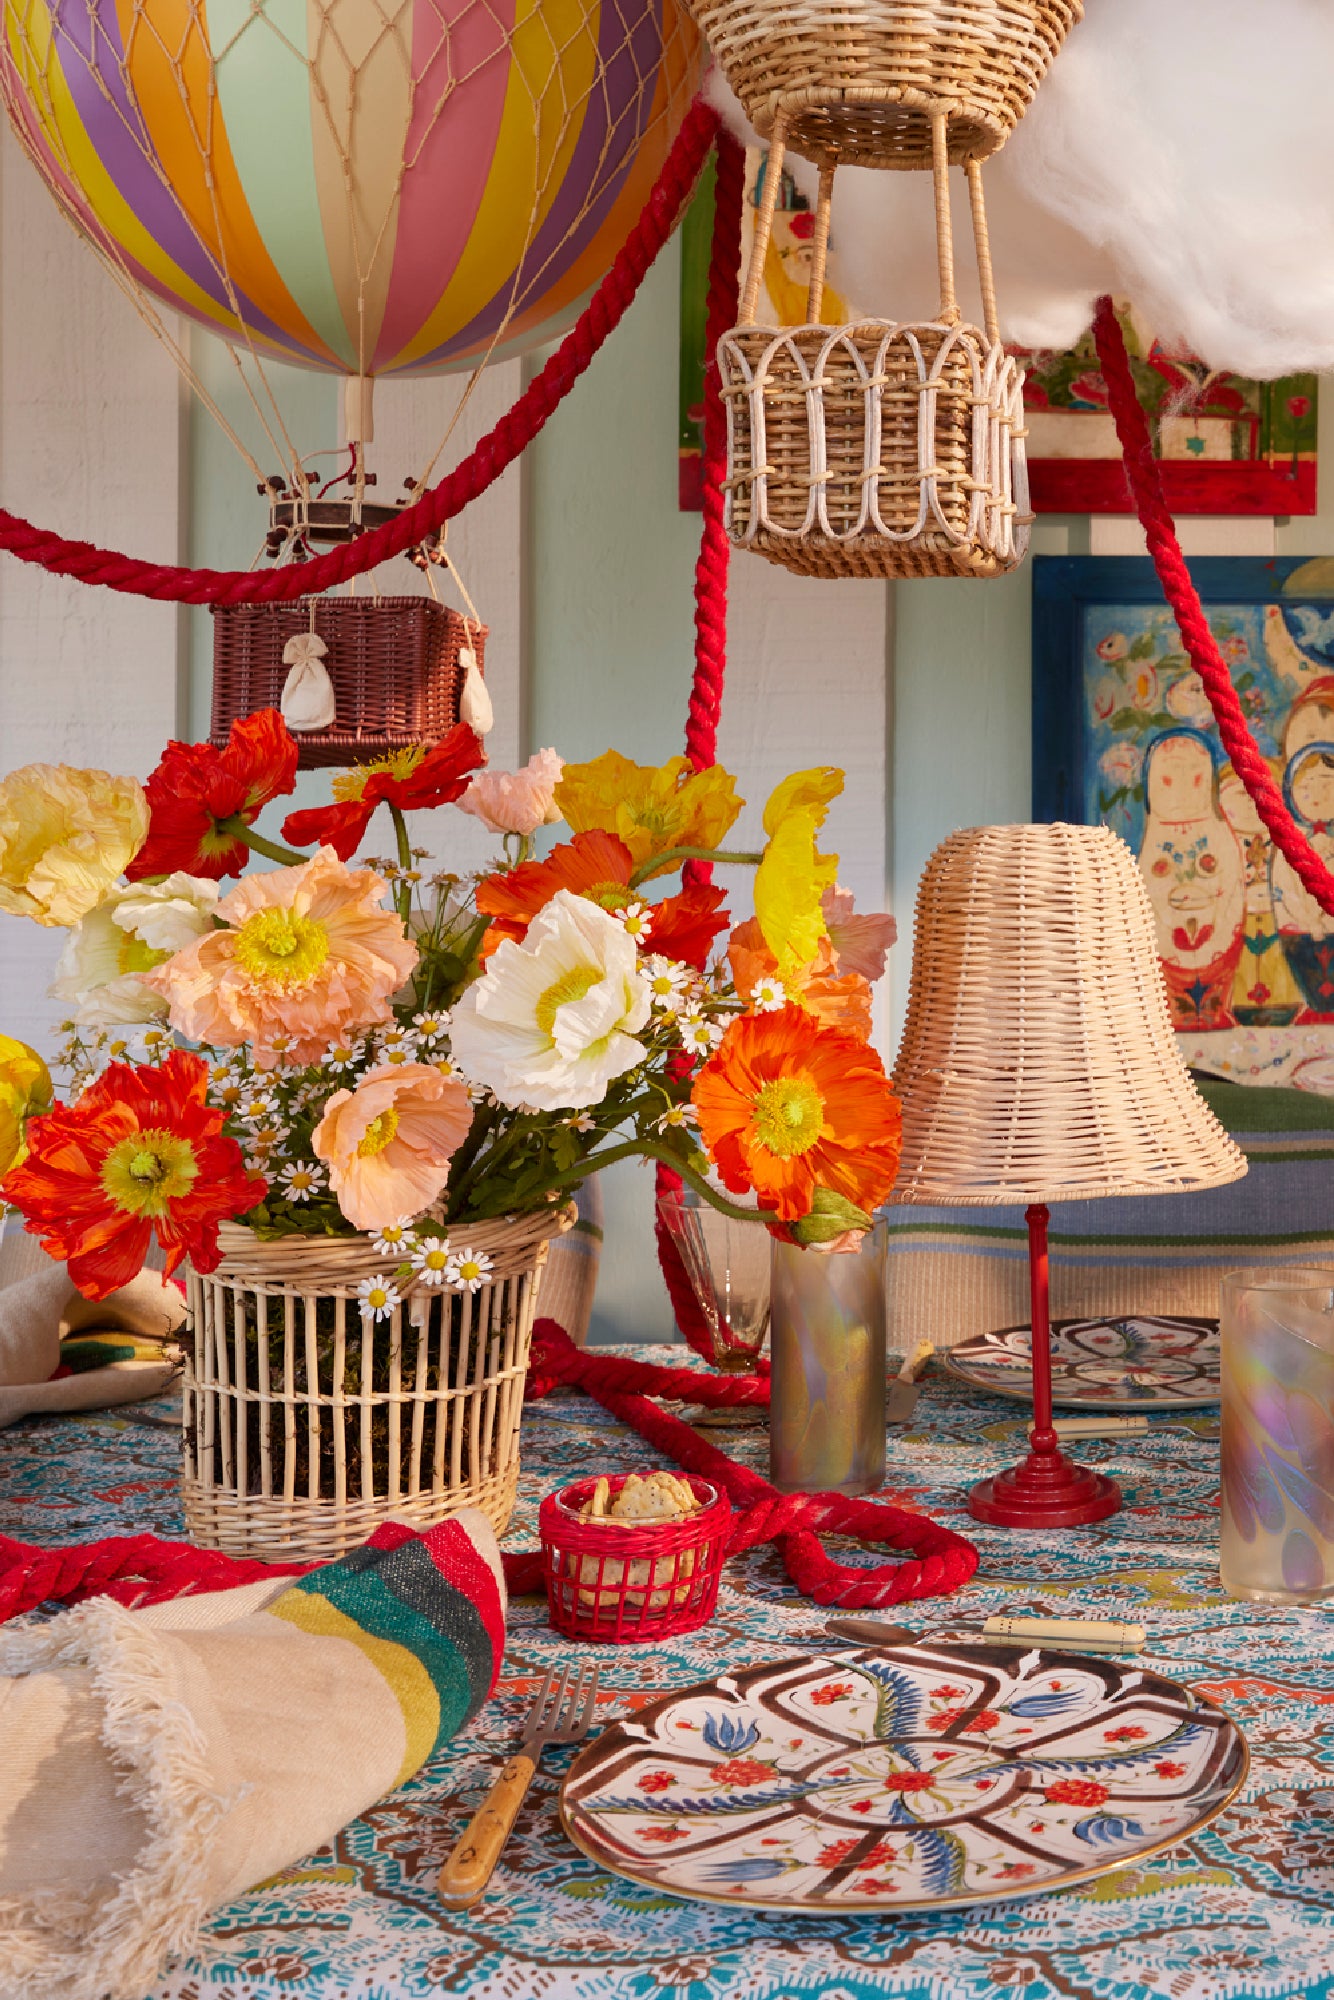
x=156, y=1763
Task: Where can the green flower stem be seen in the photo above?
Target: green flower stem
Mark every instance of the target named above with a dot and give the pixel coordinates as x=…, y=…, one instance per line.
x=645, y=1149
x=403, y=898
x=270, y=849
x=657, y=863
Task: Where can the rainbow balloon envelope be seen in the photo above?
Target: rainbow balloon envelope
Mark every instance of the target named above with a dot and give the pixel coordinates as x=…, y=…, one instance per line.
x=371, y=187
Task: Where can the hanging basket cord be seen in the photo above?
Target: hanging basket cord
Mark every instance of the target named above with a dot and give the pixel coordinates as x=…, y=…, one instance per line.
x=513, y=433
x=1146, y=486
x=141, y=1569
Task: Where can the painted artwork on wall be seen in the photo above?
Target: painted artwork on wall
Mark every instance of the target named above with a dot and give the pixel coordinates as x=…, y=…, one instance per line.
x=1123, y=735
x=1226, y=444
x=782, y=302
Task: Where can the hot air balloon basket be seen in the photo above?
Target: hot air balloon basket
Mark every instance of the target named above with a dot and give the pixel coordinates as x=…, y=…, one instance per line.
x=394, y=663
x=307, y=1425
x=876, y=450
x=858, y=83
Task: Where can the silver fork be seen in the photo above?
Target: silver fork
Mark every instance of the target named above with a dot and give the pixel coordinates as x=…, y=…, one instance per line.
x=561, y=1714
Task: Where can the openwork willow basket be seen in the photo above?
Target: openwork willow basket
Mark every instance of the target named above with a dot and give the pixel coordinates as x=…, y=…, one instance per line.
x=881, y=449
x=393, y=661
x=306, y=1426
x=859, y=82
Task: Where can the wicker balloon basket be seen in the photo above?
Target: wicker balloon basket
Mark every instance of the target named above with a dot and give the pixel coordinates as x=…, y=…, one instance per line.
x=860, y=82
x=881, y=449
x=306, y=1425
x=394, y=663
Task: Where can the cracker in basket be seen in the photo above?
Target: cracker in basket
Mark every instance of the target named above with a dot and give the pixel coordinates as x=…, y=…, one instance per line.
x=656, y=1496
x=596, y=1508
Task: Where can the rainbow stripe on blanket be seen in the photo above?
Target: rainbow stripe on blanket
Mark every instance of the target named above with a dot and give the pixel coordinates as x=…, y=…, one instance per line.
x=428, y=1613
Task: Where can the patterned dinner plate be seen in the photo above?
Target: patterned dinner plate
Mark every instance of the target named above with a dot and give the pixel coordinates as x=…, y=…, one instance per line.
x=915, y=1777
x=1144, y=1362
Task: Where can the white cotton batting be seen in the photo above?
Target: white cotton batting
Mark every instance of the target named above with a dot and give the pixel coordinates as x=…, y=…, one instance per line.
x=1180, y=154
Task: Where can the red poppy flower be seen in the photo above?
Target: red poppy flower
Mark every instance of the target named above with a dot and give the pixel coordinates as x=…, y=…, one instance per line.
x=141, y=1151
x=413, y=780
x=598, y=865
x=787, y=1106
x=196, y=789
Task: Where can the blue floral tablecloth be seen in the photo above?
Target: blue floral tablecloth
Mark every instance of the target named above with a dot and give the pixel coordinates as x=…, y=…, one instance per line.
x=1245, y=1911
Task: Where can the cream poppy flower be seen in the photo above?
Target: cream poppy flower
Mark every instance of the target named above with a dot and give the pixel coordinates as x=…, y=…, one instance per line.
x=135, y=929
x=553, y=1020
x=65, y=836
x=388, y=1143
x=304, y=954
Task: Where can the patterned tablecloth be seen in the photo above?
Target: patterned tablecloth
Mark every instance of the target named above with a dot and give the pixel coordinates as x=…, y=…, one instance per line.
x=1245, y=1911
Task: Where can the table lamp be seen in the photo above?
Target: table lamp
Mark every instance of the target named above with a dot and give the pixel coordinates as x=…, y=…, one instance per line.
x=1038, y=1064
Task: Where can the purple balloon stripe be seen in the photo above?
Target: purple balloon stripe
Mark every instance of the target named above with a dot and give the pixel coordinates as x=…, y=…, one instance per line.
x=604, y=154
x=93, y=60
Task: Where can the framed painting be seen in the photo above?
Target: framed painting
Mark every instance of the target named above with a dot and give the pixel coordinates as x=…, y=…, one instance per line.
x=1226, y=444
x=1123, y=736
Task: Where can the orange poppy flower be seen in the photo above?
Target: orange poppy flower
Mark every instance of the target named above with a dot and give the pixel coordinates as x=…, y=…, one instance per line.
x=786, y=1106
x=836, y=998
x=141, y=1152
x=598, y=865
x=196, y=789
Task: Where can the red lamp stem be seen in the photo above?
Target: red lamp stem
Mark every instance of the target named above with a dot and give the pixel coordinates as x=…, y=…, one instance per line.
x=1037, y=1219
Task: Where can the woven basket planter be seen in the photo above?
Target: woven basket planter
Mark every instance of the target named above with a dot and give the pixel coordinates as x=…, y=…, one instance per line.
x=393, y=661
x=859, y=82
x=300, y=1441
x=882, y=449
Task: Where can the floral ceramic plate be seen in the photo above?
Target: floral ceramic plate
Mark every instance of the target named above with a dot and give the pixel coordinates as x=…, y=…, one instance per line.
x=914, y=1777
x=1139, y=1363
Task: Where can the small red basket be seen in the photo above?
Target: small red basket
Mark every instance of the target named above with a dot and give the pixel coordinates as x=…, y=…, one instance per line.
x=621, y=1582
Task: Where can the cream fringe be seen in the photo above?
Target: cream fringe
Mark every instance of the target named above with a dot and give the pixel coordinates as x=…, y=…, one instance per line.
x=59, y=1945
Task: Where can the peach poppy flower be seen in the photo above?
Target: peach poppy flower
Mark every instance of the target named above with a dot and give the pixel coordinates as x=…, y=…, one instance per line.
x=516, y=801
x=388, y=1143
x=304, y=953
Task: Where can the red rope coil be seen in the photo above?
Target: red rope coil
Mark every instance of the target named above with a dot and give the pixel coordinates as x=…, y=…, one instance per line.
x=484, y=464
x=1146, y=486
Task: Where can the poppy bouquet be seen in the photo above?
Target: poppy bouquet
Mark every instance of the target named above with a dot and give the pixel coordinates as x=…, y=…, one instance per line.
x=329, y=1046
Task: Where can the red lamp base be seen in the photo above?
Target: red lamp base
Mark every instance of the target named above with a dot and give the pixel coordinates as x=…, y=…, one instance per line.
x=1046, y=1491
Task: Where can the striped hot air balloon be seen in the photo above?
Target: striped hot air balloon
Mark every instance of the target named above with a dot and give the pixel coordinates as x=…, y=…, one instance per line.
x=371, y=187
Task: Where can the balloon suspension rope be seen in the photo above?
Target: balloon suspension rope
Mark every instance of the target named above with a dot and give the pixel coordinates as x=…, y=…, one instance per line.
x=481, y=468
x=1146, y=486
x=140, y=1569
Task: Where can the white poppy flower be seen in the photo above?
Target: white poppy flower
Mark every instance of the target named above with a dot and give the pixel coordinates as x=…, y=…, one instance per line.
x=553, y=1020
x=135, y=929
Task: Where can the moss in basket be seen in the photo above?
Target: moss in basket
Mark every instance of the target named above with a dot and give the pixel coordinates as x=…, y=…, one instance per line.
x=446, y=1326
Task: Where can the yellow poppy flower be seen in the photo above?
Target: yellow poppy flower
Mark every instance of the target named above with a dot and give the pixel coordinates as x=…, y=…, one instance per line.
x=65, y=837
x=793, y=876
x=25, y=1092
x=651, y=808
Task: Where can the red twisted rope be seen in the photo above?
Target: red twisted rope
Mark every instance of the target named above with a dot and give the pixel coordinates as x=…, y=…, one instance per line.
x=1146, y=485
x=140, y=1569
x=483, y=465
x=711, y=567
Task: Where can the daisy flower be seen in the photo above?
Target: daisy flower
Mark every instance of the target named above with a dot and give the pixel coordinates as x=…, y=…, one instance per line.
x=699, y=1035
x=343, y=1055
x=396, y=1038
x=768, y=995
x=636, y=920
x=666, y=983
x=583, y=1121
x=446, y=1066
x=395, y=1054
x=300, y=1181
x=430, y=1027
x=256, y=1105
x=466, y=1270
x=680, y=1116
x=395, y=1237
x=431, y=1262
x=378, y=1298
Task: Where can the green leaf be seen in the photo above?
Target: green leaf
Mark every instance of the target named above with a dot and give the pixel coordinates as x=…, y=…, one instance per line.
x=831, y=1215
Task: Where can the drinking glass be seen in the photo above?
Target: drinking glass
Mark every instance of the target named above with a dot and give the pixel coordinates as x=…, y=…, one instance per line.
x=727, y=1262
x=1277, y=1537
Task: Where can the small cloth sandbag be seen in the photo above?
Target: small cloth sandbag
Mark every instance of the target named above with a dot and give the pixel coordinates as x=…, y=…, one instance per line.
x=156, y=1763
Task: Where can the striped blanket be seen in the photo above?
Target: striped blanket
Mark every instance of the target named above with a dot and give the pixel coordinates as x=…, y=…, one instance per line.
x=958, y=1272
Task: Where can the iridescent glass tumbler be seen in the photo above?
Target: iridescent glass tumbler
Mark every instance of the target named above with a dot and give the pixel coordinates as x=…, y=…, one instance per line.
x=827, y=1353
x=1278, y=1434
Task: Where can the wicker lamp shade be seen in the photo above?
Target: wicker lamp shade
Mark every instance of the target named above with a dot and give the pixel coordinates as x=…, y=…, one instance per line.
x=859, y=82
x=1038, y=1062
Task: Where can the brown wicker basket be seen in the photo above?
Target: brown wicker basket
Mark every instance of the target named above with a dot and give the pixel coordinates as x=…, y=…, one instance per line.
x=857, y=83
x=882, y=449
x=393, y=661
x=306, y=1426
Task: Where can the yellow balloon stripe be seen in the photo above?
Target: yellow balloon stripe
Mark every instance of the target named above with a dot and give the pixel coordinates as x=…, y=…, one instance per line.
x=31, y=43
x=171, y=77
x=553, y=63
